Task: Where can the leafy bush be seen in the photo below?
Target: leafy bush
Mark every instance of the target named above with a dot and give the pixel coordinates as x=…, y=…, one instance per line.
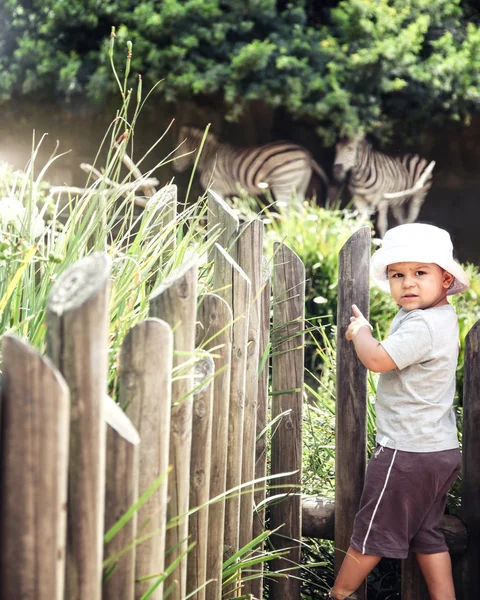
x=364, y=65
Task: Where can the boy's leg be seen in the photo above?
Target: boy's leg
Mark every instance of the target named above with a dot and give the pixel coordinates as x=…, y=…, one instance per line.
x=355, y=568
x=437, y=571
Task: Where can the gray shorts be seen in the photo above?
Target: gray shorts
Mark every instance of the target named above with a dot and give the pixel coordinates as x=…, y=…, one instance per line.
x=403, y=502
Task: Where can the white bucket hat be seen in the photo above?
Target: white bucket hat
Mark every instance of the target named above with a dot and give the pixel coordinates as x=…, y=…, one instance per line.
x=417, y=242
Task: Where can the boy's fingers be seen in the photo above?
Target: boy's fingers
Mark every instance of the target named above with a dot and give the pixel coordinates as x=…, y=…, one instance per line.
x=356, y=311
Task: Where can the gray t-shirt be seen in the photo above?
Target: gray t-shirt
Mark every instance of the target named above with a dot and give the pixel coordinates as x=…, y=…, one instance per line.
x=414, y=401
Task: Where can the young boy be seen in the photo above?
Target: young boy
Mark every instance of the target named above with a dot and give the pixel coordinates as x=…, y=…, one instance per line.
x=417, y=458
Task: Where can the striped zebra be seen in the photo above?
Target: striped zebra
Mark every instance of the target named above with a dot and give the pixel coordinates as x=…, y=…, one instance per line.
x=378, y=181
x=282, y=167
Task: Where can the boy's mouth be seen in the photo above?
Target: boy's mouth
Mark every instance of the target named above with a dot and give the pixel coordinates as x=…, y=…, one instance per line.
x=409, y=296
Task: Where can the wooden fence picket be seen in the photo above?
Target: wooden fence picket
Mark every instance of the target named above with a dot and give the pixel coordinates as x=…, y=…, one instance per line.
x=468, y=571
x=214, y=334
x=249, y=258
x=174, y=301
x=288, y=283
x=223, y=223
x=34, y=468
x=351, y=401
x=77, y=334
x=121, y=493
x=200, y=477
x=256, y=585
x=145, y=393
x=234, y=287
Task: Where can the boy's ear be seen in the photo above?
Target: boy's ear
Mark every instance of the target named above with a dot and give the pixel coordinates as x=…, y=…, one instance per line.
x=447, y=279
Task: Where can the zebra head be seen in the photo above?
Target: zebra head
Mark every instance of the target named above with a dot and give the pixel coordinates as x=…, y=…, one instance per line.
x=346, y=156
x=188, y=141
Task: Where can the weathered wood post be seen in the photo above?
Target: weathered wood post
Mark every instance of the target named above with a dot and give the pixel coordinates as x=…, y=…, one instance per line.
x=34, y=467
x=121, y=493
x=214, y=335
x=287, y=399
x=250, y=259
x=351, y=401
x=231, y=283
x=234, y=287
x=145, y=392
x=256, y=585
x=469, y=572
x=174, y=301
x=200, y=476
x=77, y=334
x=222, y=222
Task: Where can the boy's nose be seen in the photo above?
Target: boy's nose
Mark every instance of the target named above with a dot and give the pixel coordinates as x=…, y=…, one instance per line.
x=408, y=282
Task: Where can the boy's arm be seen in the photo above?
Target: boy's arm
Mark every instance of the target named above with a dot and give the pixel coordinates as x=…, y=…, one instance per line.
x=370, y=352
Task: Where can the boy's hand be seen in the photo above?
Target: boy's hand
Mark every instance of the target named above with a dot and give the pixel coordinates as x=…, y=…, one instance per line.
x=357, y=321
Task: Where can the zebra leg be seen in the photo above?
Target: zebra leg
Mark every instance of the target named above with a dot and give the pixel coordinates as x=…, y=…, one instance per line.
x=302, y=187
x=287, y=197
x=399, y=213
x=363, y=208
x=415, y=206
x=382, y=219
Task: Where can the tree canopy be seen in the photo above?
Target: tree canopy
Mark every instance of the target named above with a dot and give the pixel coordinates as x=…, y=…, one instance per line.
x=351, y=66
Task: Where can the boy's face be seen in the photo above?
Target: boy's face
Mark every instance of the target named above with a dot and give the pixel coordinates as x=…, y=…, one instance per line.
x=418, y=285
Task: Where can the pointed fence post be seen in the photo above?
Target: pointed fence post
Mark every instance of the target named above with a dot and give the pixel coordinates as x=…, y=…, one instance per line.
x=351, y=402
x=287, y=401
x=77, y=334
x=200, y=477
x=214, y=335
x=34, y=467
x=468, y=580
x=256, y=585
x=234, y=287
x=249, y=258
x=145, y=394
x=174, y=301
x=121, y=493
x=222, y=221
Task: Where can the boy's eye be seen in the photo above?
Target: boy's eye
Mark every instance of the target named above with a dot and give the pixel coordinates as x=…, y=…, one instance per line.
x=397, y=275
x=421, y=273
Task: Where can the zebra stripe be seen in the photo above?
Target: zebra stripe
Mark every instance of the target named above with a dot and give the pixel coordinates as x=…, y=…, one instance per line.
x=283, y=167
x=379, y=181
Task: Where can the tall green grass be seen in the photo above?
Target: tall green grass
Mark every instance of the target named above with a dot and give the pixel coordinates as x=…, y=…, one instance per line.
x=43, y=233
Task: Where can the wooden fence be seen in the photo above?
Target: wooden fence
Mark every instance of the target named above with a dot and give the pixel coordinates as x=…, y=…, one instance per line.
x=330, y=520
x=194, y=382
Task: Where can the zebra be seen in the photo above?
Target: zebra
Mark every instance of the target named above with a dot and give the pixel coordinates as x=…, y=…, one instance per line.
x=283, y=167
x=379, y=181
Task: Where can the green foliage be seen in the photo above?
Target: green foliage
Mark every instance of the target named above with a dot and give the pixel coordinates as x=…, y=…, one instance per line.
x=363, y=66
x=42, y=234
x=41, y=237
x=467, y=307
